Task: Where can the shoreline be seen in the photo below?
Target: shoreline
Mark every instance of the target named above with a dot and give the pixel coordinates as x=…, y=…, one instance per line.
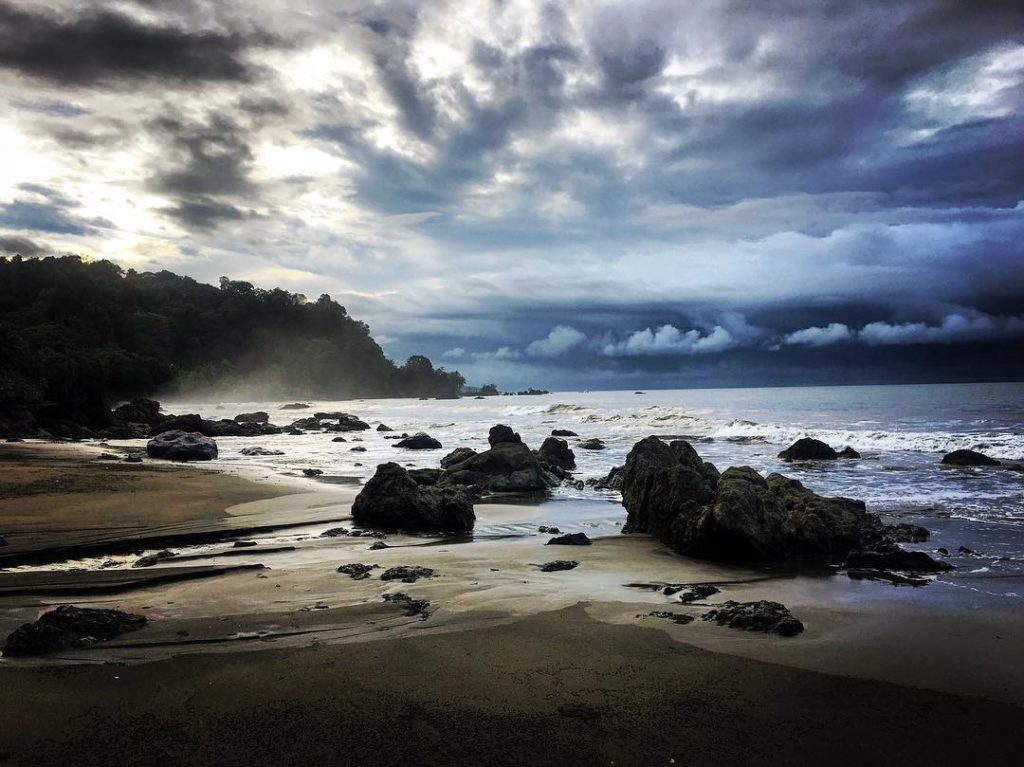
x=295, y=611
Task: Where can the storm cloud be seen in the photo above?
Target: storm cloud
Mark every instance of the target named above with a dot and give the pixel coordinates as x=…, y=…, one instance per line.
x=575, y=194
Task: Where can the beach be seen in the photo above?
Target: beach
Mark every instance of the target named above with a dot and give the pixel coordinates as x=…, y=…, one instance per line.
x=293, y=661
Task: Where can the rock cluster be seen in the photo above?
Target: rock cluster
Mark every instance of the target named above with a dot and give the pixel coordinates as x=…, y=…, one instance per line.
x=392, y=500
x=68, y=627
x=766, y=616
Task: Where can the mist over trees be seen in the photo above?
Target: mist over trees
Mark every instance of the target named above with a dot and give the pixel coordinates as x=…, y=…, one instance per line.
x=76, y=335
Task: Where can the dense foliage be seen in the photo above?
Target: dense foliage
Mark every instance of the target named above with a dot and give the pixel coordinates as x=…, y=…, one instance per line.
x=75, y=335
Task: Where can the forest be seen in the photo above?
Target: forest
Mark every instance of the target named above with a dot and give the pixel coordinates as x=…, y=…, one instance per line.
x=77, y=335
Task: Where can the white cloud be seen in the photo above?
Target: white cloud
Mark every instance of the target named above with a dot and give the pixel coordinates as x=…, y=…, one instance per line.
x=953, y=328
x=669, y=339
x=457, y=353
x=502, y=353
x=560, y=340
x=833, y=333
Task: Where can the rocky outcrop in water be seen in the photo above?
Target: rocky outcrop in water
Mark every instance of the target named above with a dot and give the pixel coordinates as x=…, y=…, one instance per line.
x=556, y=452
x=508, y=467
x=570, y=539
x=611, y=481
x=591, y=444
x=419, y=441
x=501, y=434
x=766, y=616
x=563, y=433
x=257, y=450
x=257, y=417
x=457, y=455
x=809, y=449
x=968, y=458
x=182, y=446
x=392, y=500
x=68, y=627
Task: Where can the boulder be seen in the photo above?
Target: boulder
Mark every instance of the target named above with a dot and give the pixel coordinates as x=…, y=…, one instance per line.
x=591, y=444
x=549, y=530
x=848, y=453
x=256, y=450
x=69, y=627
x=809, y=449
x=968, y=458
x=425, y=476
x=508, y=467
x=570, y=539
x=406, y=573
x=154, y=559
x=177, y=445
x=558, y=565
x=457, y=455
x=384, y=427
x=345, y=422
x=502, y=434
x=357, y=571
x=312, y=472
x=766, y=616
x=669, y=492
x=295, y=406
x=258, y=417
x=696, y=592
x=556, y=452
x=611, y=481
x=904, y=532
x=419, y=441
x=563, y=433
x=392, y=500
x=139, y=411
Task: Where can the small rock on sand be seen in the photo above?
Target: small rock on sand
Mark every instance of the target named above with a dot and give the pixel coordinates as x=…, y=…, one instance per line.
x=558, y=565
x=764, y=615
x=407, y=573
x=570, y=539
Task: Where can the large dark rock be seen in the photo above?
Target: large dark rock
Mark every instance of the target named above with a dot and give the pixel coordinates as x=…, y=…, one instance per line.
x=392, y=500
x=182, y=446
x=611, y=481
x=563, y=433
x=69, y=627
x=501, y=434
x=968, y=458
x=257, y=417
x=766, y=616
x=345, y=422
x=139, y=410
x=556, y=452
x=419, y=441
x=570, y=539
x=508, y=467
x=669, y=492
x=848, y=453
x=457, y=455
x=809, y=449
x=895, y=558
x=295, y=406
x=591, y=444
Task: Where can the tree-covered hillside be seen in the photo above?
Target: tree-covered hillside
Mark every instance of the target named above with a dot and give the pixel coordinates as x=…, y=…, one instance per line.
x=76, y=335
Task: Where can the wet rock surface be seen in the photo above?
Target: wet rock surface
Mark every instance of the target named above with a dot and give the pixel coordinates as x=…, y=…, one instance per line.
x=508, y=467
x=412, y=607
x=681, y=618
x=591, y=444
x=570, y=539
x=419, y=441
x=357, y=571
x=407, y=573
x=256, y=450
x=697, y=592
x=69, y=627
x=968, y=458
x=151, y=559
x=764, y=615
x=457, y=455
x=556, y=452
x=895, y=558
x=176, y=445
x=559, y=565
x=809, y=449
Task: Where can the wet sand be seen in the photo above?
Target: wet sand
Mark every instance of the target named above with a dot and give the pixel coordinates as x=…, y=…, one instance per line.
x=287, y=663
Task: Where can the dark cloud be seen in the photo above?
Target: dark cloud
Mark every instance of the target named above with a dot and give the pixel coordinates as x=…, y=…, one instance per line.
x=20, y=246
x=100, y=46
x=204, y=213
x=46, y=217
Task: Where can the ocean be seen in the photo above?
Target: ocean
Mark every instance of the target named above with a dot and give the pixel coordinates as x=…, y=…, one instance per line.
x=901, y=432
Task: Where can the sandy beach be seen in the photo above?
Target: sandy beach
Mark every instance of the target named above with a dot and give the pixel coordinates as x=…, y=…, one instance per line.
x=267, y=655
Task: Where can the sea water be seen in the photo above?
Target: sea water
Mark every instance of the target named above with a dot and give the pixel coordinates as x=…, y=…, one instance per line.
x=902, y=433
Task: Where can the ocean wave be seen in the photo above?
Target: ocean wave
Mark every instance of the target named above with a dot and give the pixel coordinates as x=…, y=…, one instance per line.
x=564, y=408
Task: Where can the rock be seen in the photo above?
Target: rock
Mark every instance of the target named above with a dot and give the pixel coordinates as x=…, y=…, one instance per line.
x=335, y=532
x=357, y=570
x=808, y=449
x=391, y=500
x=563, y=433
x=133, y=458
x=411, y=606
x=309, y=424
x=611, y=481
x=942, y=551
x=896, y=579
x=419, y=441
x=907, y=533
x=108, y=457
x=457, y=455
x=312, y=472
x=339, y=439
x=382, y=427
x=502, y=434
x=591, y=444
x=549, y=530
x=69, y=627
x=508, y=467
x=295, y=406
x=293, y=431
x=378, y=545
x=669, y=492
x=964, y=551
x=260, y=451
x=848, y=453
x=681, y=618
x=425, y=476
x=357, y=449
x=345, y=422
x=895, y=558
x=140, y=411
x=572, y=539
x=968, y=458
x=258, y=417
x=182, y=446
x=558, y=565
x=407, y=573
x=151, y=559
x=697, y=592
x=770, y=617
x=556, y=452
x=243, y=544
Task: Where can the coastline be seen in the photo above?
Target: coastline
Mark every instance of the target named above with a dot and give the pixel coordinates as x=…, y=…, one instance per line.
x=299, y=631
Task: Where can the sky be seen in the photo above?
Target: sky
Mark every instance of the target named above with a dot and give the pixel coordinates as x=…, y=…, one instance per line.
x=584, y=195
